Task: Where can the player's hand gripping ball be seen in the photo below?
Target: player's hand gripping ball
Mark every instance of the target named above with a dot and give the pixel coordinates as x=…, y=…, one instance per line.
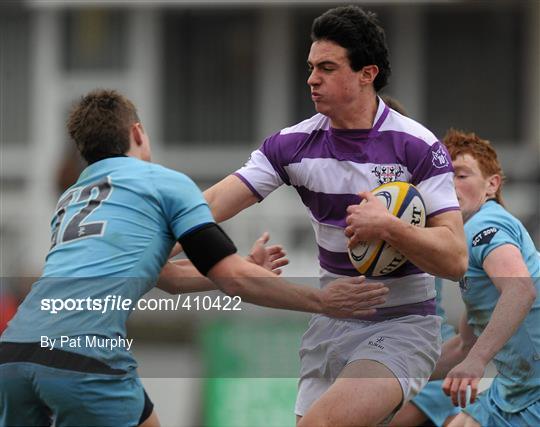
x=378, y=258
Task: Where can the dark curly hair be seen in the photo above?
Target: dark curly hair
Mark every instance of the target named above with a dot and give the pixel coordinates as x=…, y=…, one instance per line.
x=360, y=33
x=99, y=124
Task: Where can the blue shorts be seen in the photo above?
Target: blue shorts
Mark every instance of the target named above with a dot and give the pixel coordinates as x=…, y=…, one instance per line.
x=33, y=394
x=434, y=403
x=486, y=412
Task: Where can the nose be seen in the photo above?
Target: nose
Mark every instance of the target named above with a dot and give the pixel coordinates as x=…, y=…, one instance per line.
x=313, y=79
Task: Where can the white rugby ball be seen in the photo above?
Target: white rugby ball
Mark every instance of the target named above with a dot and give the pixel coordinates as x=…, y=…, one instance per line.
x=379, y=258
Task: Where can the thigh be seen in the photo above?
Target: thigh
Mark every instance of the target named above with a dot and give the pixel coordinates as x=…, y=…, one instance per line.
x=409, y=415
x=366, y=393
x=431, y=403
x=409, y=347
x=464, y=420
x=309, y=390
x=19, y=402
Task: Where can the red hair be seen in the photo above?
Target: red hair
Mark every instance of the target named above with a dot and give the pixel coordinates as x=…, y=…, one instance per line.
x=460, y=143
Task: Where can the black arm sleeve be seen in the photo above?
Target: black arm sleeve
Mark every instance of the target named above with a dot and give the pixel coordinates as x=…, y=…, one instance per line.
x=206, y=246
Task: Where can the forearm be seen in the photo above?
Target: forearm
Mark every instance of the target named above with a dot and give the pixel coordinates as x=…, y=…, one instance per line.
x=345, y=297
x=178, y=277
x=258, y=286
x=513, y=306
x=435, y=250
x=453, y=352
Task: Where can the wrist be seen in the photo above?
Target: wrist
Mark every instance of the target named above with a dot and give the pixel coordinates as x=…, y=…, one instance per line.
x=390, y=230
x=321, y=302
x=478, y=357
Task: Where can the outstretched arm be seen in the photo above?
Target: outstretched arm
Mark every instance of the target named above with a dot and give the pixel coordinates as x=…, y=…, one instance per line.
x=345, y=297
x=181, y=276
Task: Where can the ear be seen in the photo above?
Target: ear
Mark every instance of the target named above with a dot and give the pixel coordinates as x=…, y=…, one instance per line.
x=367, y=74
x=494, y=182
x=137, y=132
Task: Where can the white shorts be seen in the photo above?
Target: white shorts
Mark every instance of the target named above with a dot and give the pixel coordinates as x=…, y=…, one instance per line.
x=409, y=346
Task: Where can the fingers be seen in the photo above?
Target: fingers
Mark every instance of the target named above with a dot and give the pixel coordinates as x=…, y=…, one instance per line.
x=462, y=392
x=447, y=383
x=364, y=312
x=474, y=389
x=454, y=388
x=282, y=262
x=376, y=293
x=264, y=238
x=366, y=196
x=275, y=251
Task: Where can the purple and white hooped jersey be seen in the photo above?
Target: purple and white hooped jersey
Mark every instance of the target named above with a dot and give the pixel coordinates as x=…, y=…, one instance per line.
x=328, y=168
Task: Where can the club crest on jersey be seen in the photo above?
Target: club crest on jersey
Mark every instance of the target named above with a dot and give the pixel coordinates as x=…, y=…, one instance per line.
x=440, y=159
x=387, y=173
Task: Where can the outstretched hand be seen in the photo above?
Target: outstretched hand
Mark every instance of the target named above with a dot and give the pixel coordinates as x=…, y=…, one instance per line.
x=271, y=257
x=348, y=297
x=467, y=373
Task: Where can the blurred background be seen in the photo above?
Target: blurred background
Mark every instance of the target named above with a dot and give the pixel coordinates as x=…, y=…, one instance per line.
x=211, y=80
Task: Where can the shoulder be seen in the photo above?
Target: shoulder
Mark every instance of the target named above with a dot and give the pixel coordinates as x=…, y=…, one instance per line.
x=314, y=123
x=492, y=219
x=159, y=172
x=291, y=142
x=407, y=127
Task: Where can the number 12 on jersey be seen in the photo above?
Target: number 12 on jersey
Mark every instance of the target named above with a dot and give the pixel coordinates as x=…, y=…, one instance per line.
x=94, y=195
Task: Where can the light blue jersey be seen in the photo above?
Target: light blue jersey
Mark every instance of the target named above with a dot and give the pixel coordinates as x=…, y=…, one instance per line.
x=111, y=234
x=447, y=330
x=517, y=384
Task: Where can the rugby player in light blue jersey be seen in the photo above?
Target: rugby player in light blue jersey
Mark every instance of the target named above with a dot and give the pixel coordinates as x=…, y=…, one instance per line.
x=500, y=291
x=112, y=233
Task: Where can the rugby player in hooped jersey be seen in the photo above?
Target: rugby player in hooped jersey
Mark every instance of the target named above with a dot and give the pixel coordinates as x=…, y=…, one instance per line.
x=359, y=372
x=500, y=291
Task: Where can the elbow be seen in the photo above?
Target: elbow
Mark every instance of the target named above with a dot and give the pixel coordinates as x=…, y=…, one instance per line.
x=458, y=266
x=461, y=267
x=530, y=294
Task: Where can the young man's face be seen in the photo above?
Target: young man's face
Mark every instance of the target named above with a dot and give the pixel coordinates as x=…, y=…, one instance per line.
x=334, y=85
x=471, y=187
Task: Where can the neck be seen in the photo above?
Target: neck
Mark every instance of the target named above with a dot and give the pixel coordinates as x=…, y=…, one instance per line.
x=360, y=115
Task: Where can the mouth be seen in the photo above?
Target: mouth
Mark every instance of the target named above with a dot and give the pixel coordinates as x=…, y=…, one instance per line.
x=315, y=96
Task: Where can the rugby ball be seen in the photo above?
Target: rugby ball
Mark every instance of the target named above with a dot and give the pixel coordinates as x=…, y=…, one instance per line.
x=379, y=258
